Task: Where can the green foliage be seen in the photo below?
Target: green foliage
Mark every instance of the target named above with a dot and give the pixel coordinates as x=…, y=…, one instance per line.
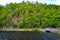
x=30, y=15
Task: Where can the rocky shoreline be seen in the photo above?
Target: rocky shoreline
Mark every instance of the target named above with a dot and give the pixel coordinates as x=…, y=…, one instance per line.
x=43, y=30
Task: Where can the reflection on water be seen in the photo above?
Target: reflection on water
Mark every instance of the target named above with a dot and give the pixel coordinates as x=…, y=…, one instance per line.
x=27, y=35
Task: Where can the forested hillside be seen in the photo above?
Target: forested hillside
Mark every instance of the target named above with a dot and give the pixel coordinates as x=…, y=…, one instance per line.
x=29, y=15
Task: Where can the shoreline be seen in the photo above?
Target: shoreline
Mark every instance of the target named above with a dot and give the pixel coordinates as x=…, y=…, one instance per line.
x=43, y=30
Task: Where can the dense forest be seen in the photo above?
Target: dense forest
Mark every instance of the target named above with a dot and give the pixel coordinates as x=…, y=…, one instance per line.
x=29, y=15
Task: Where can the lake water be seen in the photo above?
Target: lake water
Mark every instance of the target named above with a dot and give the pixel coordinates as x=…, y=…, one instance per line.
x=27, y=35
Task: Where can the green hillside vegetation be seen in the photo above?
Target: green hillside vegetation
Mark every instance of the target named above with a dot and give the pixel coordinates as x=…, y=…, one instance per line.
x=29, y=15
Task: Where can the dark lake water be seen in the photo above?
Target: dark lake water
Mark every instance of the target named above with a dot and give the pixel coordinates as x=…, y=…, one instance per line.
x=27, y=35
